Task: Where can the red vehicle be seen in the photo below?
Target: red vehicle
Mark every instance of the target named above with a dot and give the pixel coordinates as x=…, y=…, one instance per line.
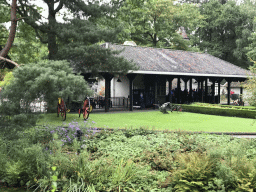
x=87, y=108
x=61, y=108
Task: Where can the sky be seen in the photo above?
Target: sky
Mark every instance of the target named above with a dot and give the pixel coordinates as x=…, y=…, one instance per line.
x=40, y=3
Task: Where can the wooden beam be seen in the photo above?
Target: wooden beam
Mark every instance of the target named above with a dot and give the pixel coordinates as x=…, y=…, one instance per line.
x=170, y=79
x=107, y=77
x=202, y=87
x=213, y=91
x=190, y=89
x=178, y=87
x=206, y=91
x=131, y=77
x=228, y=92
x=218, y=91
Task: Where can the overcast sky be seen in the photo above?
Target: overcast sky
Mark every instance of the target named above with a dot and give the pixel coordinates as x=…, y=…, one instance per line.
x=42, y=4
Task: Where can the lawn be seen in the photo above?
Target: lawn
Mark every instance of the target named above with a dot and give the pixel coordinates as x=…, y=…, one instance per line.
x=156, y=120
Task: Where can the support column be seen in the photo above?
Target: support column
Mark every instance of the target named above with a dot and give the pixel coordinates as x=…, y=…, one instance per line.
x=241, y=92
x=155, y=85
x=178, y=86
x=170, y=79
x=185, y=79
x=131, y=77
x=206, y=91
x=190, y=89
x=218, y=91
x=213, y=91
x=228, y=92
x=108, y=77
x=202, y=87
x=198, y=88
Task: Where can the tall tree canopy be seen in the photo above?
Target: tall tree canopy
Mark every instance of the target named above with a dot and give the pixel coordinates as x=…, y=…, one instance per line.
x=79, y=33
x=156, y=22
x=26, y=47
x=225, y=31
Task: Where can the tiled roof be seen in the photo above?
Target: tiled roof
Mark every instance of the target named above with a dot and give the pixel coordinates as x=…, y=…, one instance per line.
x=157, y=60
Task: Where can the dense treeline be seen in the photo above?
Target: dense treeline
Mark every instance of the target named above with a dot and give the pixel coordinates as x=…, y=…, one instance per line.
x=224, y=29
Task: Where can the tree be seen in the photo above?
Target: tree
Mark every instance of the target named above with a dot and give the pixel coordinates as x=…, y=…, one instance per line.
x=250, y=8
x=5, y=50
x=252, y=47
x=224, y=32
x=47, y=80
x=78, y=33
x=27, y=48
x=155, y=22
x=250, y=86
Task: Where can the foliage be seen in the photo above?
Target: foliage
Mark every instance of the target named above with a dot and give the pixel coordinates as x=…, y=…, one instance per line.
x=232, y=111
x=5, y=76
x=155, y=23
x=250, y=86
x=3, y=19
x=129, y=160
x=27, y=48
x=95, y=59
x=222, y=37
x=194, y=172
x=67, y=40
x=46, y=80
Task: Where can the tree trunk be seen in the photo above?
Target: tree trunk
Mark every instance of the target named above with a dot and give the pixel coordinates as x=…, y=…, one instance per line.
x=52, y=44
x=10, y=40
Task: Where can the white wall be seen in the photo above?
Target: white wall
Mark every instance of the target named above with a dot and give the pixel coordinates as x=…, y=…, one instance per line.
x=120, y=89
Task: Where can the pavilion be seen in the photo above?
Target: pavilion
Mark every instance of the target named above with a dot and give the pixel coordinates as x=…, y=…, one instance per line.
x=157, y=66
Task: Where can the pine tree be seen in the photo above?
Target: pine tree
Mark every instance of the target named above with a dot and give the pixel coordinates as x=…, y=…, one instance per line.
x=74, y=36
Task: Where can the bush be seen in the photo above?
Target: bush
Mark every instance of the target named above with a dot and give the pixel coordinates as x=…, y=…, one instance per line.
x=46, y=80
x=194, y=172
x=126, y=160
x=230, y=111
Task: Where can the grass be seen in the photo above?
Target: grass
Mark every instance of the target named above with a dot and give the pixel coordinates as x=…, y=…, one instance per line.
x=156, y=120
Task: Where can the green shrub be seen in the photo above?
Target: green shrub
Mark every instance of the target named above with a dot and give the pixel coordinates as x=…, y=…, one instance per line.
x=230, y=111
x=194, y=172
x=138, y=160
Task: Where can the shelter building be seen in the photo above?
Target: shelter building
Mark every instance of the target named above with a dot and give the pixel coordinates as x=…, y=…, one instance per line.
x=163, y=73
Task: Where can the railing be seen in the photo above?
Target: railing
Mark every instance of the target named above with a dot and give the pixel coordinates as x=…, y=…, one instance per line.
x=115, y=102
x=98, y=102
x=119, y=102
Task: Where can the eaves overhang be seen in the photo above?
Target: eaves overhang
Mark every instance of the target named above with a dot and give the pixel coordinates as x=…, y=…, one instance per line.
x=188, y=74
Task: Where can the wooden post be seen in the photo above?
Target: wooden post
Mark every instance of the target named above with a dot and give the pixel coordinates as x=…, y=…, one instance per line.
x=219, y=91
x=206, y=92
x=170, y=79
x=190, y=89
x=241, y=92
x=202, y=87
x=185, y=79
x=131, y=77
x=213, y=90
x=178, y=86
x=107, y=77
x=228, y=92
x=156, y=92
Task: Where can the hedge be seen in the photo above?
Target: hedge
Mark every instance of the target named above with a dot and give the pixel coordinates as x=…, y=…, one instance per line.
x=232, y=112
